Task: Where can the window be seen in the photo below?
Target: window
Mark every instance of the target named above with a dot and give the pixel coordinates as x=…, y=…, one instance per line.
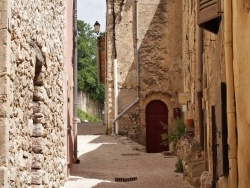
x=209, y=14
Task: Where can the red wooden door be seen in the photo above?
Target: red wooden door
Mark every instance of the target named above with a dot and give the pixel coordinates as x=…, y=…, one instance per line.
x=156, y=114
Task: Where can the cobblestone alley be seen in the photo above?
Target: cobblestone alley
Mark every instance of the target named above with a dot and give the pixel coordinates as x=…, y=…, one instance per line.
x=117, y=162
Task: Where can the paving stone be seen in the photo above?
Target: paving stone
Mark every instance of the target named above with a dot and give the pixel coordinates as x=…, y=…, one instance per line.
x=113, y=159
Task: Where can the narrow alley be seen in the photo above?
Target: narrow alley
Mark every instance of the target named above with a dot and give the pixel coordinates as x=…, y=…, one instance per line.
x=116, y=162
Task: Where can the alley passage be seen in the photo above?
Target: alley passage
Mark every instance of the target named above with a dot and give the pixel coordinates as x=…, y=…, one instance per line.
x=117, y=162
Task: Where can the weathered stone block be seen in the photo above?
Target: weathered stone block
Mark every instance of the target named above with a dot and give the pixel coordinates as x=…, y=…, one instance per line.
x=3, y=5
x=4, y=141
x=37, y=107
x=38, y=145
x=37, y=186
x=37, y=161
x=13, y=147
x=38, y=130
x=26, y=144
x=40, y=94
x=39, y=79
x=206, y=180
x=4, y=177
x=37, y=177
x=196, y=168
x=3, y=107
x=38, y=117
x=13, y=172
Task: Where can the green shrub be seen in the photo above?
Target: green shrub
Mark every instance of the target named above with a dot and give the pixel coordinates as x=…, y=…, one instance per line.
x=85, y=116
x=174, y=133
x=179, y=166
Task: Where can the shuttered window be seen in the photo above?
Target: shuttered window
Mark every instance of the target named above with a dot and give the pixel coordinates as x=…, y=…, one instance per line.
x=209, y=13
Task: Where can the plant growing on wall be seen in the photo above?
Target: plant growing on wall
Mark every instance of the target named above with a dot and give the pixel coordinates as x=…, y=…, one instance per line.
x=87, y=70
x=178, y=166
x=83, y=116
x=173, y=134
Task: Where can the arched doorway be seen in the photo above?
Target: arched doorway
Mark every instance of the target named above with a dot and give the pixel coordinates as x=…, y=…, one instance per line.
x=156, y=114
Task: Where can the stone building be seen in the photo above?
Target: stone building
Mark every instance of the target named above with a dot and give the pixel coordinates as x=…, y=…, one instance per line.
x=144, y=42
x=160, y=50
x=36, y=91
x=214, y=59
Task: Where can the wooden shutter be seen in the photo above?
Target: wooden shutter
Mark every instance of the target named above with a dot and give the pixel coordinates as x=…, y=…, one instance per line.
x=208, y=14
x=221, y=130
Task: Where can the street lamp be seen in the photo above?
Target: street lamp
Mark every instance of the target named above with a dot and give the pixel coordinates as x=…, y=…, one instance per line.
x=97, y=27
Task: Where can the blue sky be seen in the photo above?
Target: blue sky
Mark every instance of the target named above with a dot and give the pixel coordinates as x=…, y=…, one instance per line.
x=92, y=10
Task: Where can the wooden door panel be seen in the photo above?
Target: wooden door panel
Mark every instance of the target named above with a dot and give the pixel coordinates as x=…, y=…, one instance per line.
x=156, y=114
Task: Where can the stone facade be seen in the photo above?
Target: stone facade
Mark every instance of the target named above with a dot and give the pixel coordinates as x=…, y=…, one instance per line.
x=160, y=71
x=213, y=73
x=33, y=147
x=188, y=150
x=169, y=56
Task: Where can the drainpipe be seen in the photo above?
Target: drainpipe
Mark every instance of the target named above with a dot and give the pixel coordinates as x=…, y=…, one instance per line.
x=75, y=80
x=137, y=52
x=115, y=123
x=231, y=119
x=199, y=86
x=116, y=95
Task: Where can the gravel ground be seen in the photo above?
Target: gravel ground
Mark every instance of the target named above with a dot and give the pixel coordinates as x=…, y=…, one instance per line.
x=117, y=162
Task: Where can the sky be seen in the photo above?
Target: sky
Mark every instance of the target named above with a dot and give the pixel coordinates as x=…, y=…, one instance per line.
x=91, y=11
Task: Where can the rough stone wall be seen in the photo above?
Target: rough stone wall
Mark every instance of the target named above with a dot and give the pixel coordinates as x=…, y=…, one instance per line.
x=160, y=55
x=5, y=91
x=125, y=43
x=159, y=27
x=36, y=148
x=188, y=150
x=213, y=72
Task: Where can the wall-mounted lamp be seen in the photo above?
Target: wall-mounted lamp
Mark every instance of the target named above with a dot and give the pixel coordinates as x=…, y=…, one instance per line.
x=97, y=27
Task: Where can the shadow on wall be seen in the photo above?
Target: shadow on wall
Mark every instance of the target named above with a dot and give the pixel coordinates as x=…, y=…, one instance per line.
x=157, y=61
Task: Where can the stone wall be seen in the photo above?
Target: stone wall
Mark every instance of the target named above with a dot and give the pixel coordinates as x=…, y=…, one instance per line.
x=124, y=43
x=212, y=74
x=32, y=93
x=161, y=71
x=160, y=67
x=5, y=92
x=160, y=48
x=188, y=150
x=94, y=108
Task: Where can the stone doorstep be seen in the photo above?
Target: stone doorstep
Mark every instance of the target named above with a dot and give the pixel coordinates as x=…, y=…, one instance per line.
x=134, y=145
x=139, y=148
